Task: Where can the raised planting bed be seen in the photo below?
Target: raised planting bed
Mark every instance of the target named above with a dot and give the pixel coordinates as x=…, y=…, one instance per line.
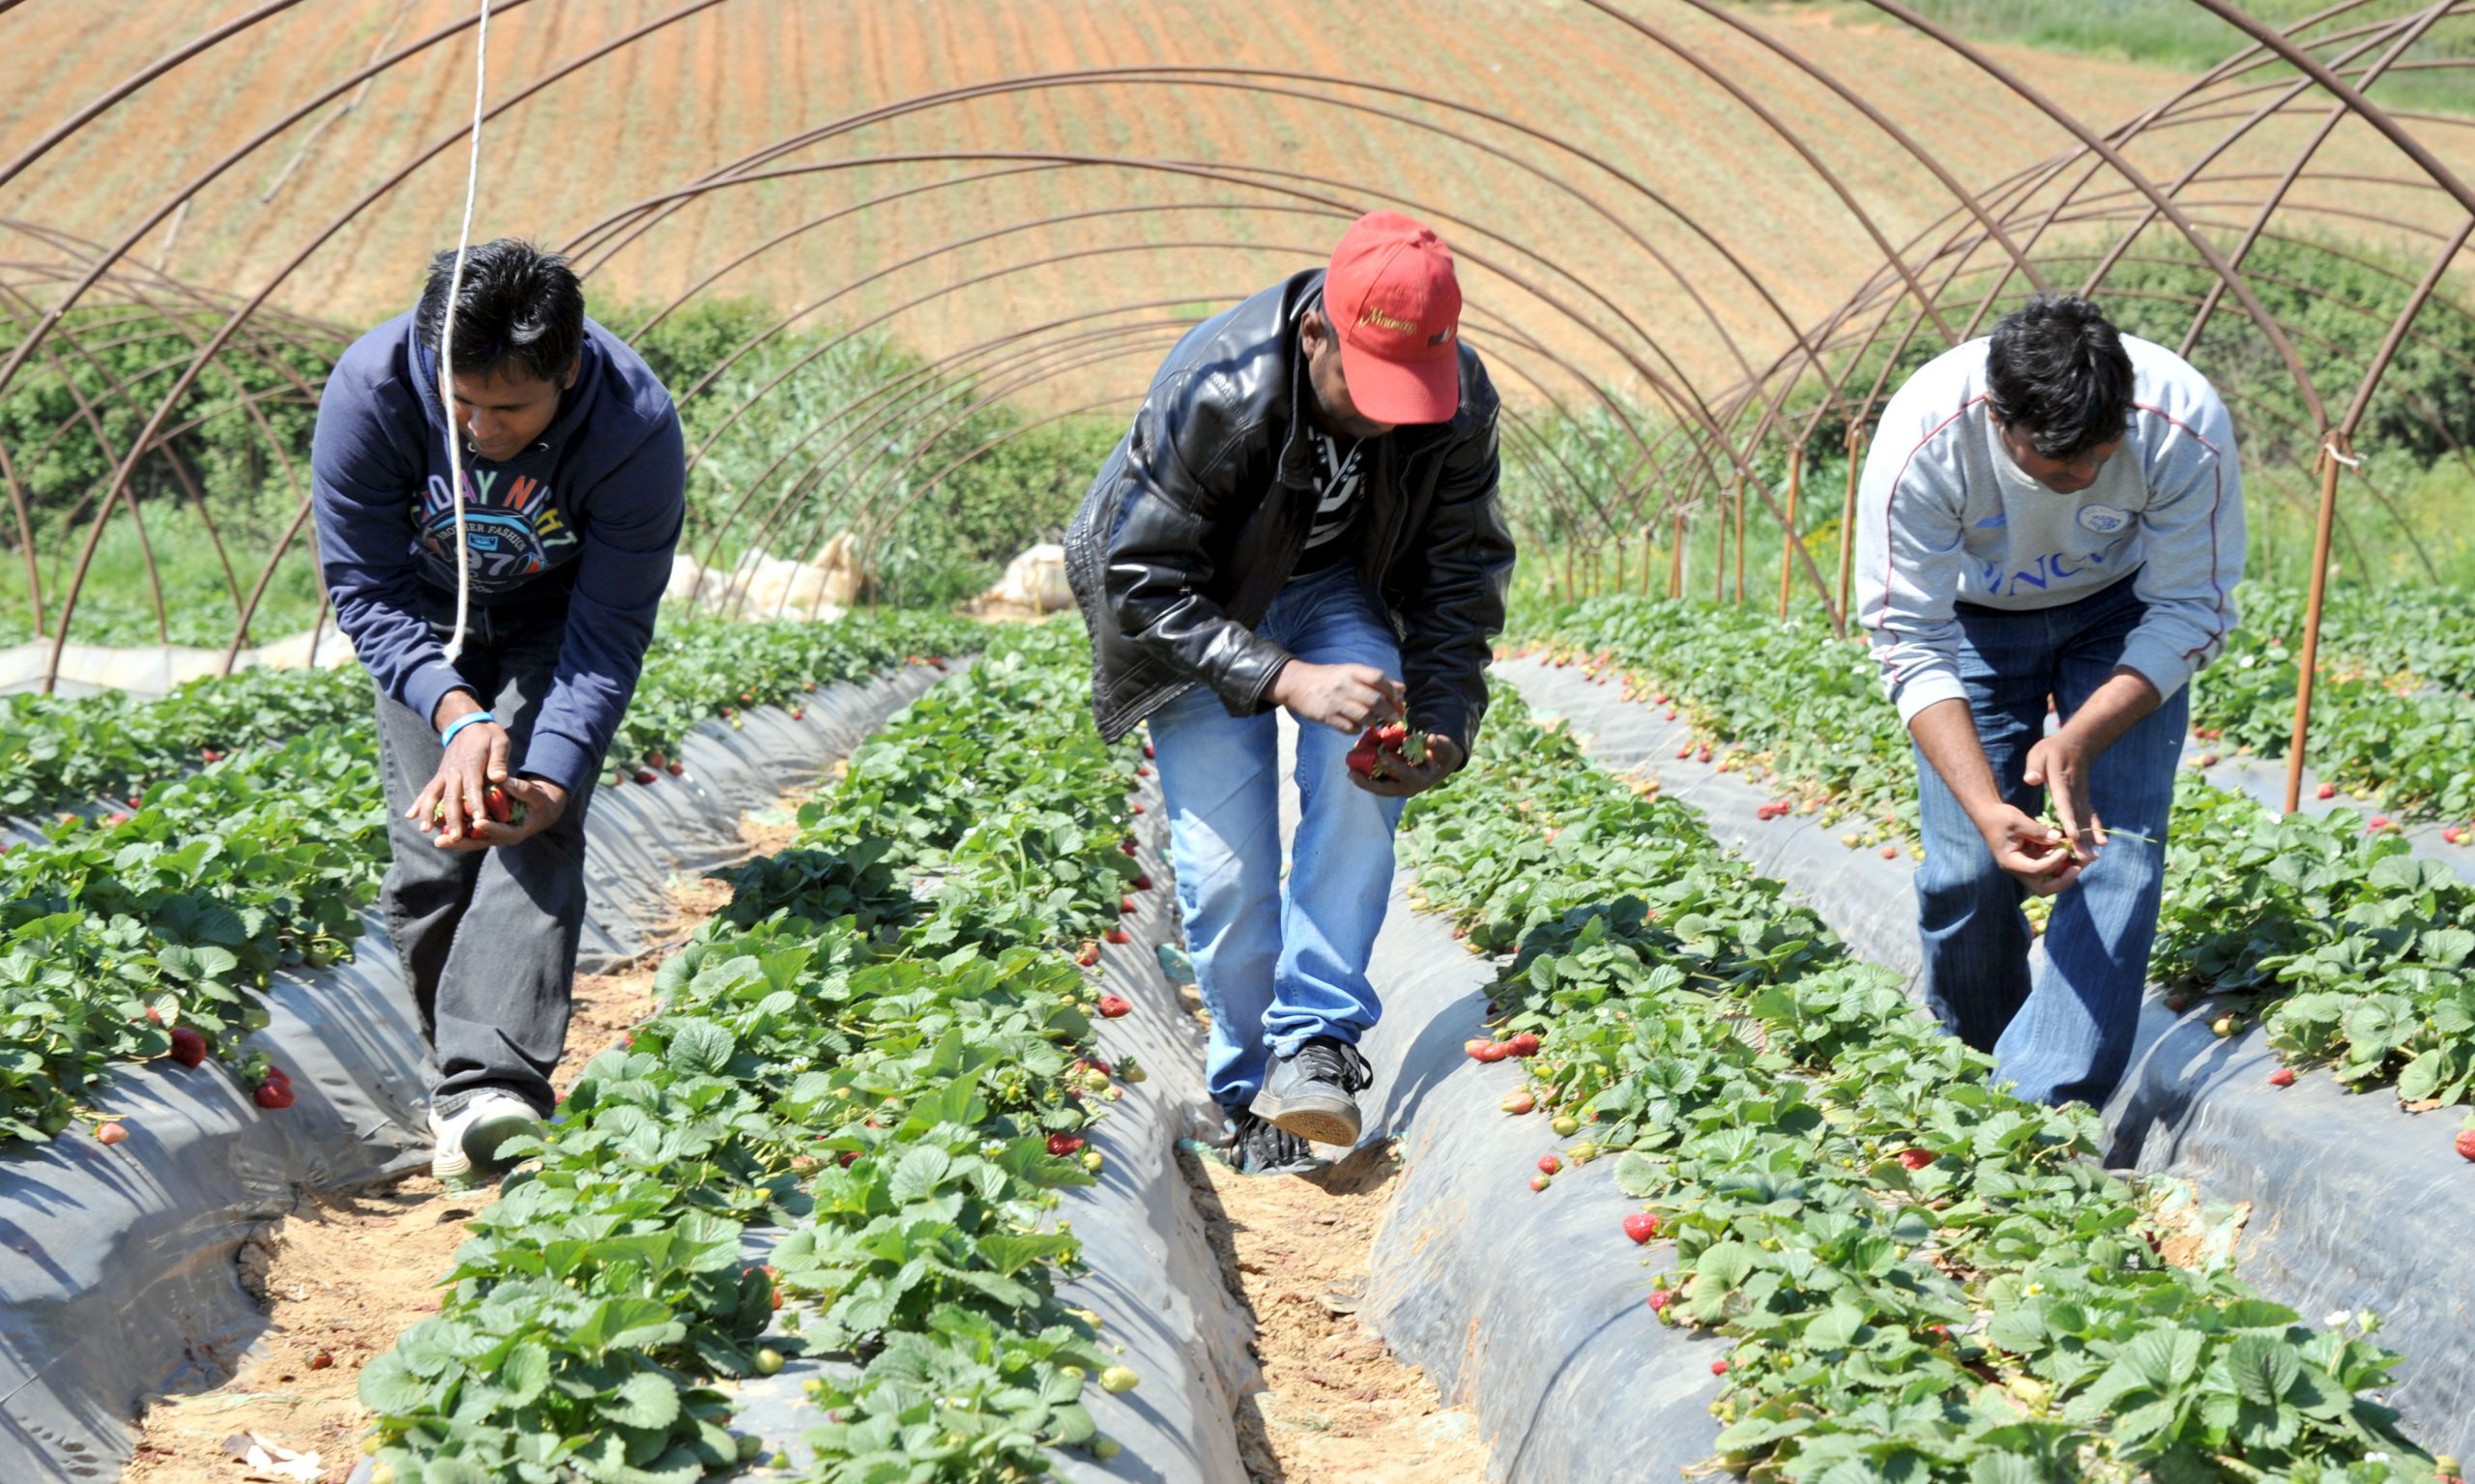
x=1909, y=1273
x=119, y=1268
x=2352, y=1198
x=884, y=1186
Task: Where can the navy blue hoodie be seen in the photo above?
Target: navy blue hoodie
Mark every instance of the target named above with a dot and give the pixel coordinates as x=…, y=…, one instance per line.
x=590, y=515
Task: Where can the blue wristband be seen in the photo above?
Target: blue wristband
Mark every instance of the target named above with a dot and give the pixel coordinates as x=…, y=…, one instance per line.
x=448, y=737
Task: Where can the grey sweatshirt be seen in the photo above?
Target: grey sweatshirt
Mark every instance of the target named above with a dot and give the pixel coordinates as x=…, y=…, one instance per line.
x=1944, y=515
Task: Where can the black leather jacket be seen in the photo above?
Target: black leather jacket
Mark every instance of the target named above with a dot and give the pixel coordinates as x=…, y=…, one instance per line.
x=1197, y=521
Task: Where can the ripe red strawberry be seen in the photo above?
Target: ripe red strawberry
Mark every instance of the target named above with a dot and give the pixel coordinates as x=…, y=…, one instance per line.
x=748, y=697
x=2282, y=1077
x=1539, y=1182
x=1684, y=751
x=1660, y=1298
x=1088, y=956
x=1125, y=905
x=1116, y=935
x=273, y=1094
x=1718, y=1368
x=1126, y=845
x=646, y=776
x=2326, y=791
x=1142, y=772
x=798, y=713
x=1062, y=1144
x=848, y=1158
x=117, y=817
x=1522, y=1043
x=1701, y=754
x=2208, y=760
x=1518, y=1103
x=1138, y=808
x=2379, y=822
x=1640, y=1226
x=1890, y=853
x=1915, y=1159
x=112, y=1133
x=675, y=767
x=211, y=755
x=1548, y=1164
x=1670, y=713
x=655, y=759
x=1147, y=749
x=2466, y=1142
x=2453, y=834
x=1113, y=1006
x=1475, y=1045
x=1493, y=1051
x=1143, y=883
x=137, y=801
x=189, y=1047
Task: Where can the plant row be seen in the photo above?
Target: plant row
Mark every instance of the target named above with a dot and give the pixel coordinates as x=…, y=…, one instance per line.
x=1922, y=1277
x=882, y=1047
x=2363, y=945
x=145, y=931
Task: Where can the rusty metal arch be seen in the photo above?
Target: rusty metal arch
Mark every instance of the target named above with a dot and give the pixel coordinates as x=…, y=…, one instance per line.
x=1554, y=327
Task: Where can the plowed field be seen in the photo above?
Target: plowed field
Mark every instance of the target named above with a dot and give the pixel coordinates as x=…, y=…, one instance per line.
x=737, y=77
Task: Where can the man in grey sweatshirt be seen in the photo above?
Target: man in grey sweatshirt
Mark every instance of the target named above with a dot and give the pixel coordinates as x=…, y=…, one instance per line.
x=2051, y=521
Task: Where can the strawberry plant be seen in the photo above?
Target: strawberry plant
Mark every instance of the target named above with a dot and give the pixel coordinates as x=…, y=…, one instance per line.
x=255, y=843
x=2370, y=951
x=883, y=1049
x=1924, y=1277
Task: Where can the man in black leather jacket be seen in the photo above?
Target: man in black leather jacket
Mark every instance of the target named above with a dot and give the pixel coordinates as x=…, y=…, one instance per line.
x=1304, y=516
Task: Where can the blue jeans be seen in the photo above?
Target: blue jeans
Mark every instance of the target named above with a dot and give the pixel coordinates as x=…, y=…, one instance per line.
x=2068, y=1034
x=1277, y=969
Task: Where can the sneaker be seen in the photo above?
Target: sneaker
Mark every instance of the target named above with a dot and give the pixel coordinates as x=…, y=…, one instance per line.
x=468, y=1139
x=1258, y=1147
x=1312, y=1092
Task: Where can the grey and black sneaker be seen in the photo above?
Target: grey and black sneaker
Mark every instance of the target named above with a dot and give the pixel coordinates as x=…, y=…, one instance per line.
x=1312, y=1092
x=1258, y=1147
x=469, y=1135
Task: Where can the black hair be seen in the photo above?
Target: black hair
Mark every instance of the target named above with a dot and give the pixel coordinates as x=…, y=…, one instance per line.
x=516, y=303
x=2057, y=371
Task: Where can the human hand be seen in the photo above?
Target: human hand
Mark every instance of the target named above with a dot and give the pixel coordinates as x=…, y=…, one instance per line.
x=474, y=804
x=2036, y=853
x=2059, y=764
x=1343, y=697
x=1396, y=776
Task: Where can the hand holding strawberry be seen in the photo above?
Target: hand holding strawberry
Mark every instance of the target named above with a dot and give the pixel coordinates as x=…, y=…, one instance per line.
x=1396, y=761
x=474, y=802
x=455, y=802
x=2038, y=853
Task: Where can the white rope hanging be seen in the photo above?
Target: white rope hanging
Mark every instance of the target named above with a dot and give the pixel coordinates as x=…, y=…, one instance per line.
x=447, y=342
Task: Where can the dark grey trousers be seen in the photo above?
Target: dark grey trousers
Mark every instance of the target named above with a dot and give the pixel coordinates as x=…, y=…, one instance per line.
x=487, y=938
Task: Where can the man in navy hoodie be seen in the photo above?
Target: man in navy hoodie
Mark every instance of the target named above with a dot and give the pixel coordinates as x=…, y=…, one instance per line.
x=575, y=479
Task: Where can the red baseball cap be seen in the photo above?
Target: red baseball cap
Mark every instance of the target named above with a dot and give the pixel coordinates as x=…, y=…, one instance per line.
x=1395, y=307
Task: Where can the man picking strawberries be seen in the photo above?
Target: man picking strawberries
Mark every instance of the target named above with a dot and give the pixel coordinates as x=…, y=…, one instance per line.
x=1303, y=516
x=2053, y=514
x=573, y=494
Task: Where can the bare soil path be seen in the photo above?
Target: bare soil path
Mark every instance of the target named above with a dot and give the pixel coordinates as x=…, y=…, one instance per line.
x=1337, y=1404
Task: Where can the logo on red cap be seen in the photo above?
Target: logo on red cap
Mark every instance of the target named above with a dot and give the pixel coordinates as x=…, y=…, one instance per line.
x=1395, y=307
